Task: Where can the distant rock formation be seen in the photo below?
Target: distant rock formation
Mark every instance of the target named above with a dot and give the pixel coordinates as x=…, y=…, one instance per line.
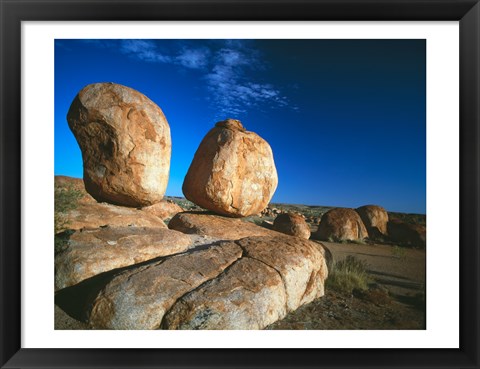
x=232, y=172
x=407, y=234
x=292, y=224
x=341, y=224
x=375, y=219
x=125, y=142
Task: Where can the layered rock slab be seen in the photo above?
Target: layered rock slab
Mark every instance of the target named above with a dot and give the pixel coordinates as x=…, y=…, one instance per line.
x=292, y=224
x=90, y=253
x=341, y=224
x=125, y=142
x=203, y=223
x=233, y=172
x=92, y=215
x=139, y=298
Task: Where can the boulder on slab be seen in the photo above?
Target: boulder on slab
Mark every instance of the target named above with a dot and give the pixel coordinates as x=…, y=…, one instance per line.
x=232, y=172
x=341, y=224
x=139, y=298
x=407, y=234
x=375, y=219
x=90, y=253
x=292, y=224
x=204, y=223
x=125, y=142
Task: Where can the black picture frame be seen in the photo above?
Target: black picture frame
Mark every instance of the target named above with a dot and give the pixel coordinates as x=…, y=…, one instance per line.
x=467, y=12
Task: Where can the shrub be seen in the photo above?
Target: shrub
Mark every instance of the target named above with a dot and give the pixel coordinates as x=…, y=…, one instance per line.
x=348, y=275
x=66, y=199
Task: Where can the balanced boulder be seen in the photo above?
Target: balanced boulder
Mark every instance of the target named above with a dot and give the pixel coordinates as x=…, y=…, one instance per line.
x=292, y=224
x=341, y=224
x=232, y=172
x=375, y=219
x=125, y=142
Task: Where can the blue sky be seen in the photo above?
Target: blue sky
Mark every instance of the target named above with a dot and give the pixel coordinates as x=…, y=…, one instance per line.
x=346, y=119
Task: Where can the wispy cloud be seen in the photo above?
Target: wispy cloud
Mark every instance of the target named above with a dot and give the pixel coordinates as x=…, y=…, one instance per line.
x=145, y=50
x=228, y=68
x=233, y=90
x=193, y=58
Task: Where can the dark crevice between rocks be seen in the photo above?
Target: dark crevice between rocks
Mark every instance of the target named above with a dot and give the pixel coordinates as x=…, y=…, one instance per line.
x=162, y=323
x=246, y=254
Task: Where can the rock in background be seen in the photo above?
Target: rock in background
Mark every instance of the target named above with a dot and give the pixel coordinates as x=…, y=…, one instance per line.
x=125, y=142
x=375, y=219
x=341, y=224
x=292, y=224
x=232, y=172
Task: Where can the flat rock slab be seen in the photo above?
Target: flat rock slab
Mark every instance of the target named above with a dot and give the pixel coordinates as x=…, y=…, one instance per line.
x=89, y=253
x=204, y=223
x=139, y=298
x=249, y=295
x=96, y=215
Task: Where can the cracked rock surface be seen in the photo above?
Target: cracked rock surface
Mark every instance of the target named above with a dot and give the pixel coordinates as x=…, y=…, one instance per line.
x=138, y=298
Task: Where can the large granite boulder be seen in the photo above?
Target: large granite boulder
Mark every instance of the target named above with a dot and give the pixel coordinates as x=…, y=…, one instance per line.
x=249, y=295
x=232, y=172
x=139, y=298
x=375, y=219
x=243, y=284
x=414, y=235
x=125, y=142
x=292, y=224
x=89, y=253
x=341, y=224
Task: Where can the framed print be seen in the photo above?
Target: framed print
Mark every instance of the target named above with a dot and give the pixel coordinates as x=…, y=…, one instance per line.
x=240, y=184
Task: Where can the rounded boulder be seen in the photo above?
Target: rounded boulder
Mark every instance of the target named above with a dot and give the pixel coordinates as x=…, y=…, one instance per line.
x=125, y=142
x=232, y=172
x=375, y=219
x=292, y=224
x=341, y=224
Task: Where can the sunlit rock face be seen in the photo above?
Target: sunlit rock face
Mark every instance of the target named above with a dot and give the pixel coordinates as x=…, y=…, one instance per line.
x=233, y=172
x=125, y=142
